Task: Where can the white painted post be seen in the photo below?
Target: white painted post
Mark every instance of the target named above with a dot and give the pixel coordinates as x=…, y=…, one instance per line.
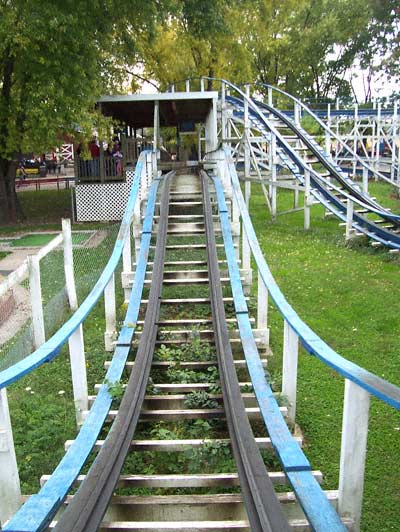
x=187, y=85
x=78, y=372
x=365, y=179
x=156, y=125
x=199, y=128
x=328, y=131
x=355, y=138
x=394, y=140
x=273, y=190
x=111, y=315
x=270, y=96
x=69, y=264
x=172, y=88
x=36, y=301
x=353, y=452
x=289, y=377
x=127, y=266
x=296, y=113
x=10, y=489
x=262, y=304
x=223, y=115
x=378, y=135
x=201, y=84
x=307, y=200
x=349, y=220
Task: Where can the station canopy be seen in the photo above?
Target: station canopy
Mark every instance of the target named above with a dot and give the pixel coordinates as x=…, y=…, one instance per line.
x=176, y=108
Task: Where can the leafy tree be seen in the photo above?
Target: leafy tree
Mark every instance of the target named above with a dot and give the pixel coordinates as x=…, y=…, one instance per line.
x=56, y=58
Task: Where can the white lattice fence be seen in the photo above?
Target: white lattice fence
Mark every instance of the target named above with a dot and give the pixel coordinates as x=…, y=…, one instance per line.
x=102, y=201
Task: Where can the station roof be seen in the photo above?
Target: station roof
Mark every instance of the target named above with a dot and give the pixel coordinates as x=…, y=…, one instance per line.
x=137, y=110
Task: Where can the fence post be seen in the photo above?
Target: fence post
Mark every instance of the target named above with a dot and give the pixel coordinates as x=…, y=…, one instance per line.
x=78, y=372
x=111, y=314
x=349, y=220
x=127, y=266
x=353, y=452
x=262, y=304
x=289, y=377
x=36, y=301
x=69, y=264
x=307, y=199
x=10, y=489
x=365, y=179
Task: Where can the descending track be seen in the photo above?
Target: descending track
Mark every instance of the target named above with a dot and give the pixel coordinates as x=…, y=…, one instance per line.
x=369, y=217
x=194, y=363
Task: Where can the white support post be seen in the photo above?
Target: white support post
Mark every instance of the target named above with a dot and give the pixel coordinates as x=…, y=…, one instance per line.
x=328, y=143
x=36, y=301
x=246, y=261
x=246, y=137
x=199, y=128
x=353, y=452
x=273, y=190
x=10, y=489
x=262, y=304
x=378, y=135
x=78, y=372
x=365, y=179
x=172, y=88
x=156, y=125
x=270, y=96
x=349, y=220
x=69, y=264
x=187, y=85
x=127, y=266
x=297, y=111
x=307, y=200
x=201, y=84
x=394, y=141
x=355, y=138
x=223, y=115
x=289, y=377
x=111, y=315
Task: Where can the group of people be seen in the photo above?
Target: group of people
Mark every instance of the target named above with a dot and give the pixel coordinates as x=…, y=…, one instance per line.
x=89, y=162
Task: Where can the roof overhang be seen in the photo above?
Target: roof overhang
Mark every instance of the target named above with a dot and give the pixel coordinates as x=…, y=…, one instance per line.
x=137, y=110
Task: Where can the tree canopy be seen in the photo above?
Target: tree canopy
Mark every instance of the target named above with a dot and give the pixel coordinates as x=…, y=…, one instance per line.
x=57, y=57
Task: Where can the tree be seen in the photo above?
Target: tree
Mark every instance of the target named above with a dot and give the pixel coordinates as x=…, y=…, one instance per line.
x=56, y=58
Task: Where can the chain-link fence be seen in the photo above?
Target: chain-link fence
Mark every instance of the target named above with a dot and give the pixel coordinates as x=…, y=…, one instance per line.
x=91, y=252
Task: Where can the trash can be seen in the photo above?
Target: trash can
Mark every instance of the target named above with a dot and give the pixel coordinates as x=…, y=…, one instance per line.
x=43, y=171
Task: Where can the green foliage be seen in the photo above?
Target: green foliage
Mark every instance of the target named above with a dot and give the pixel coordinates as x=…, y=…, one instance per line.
x=200, y=399
x=115, y=389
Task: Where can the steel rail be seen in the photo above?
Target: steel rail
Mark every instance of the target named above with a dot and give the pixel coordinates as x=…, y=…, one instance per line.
x=320, y=187
x=53, y=345
x=309, y=493
x=376, y=386
x=324, y=159
x=263, y=508
x=86, y=511
x=35, y=515
x=332, y=133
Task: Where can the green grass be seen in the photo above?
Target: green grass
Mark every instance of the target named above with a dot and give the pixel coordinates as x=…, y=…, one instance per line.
x=3, y=254
x=350, y=297
x=40, y=239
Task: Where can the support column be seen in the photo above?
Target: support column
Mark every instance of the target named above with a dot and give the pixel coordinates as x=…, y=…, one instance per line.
x=355, y=138
x=10, y=489
x=394, y=139
x=69, y=264
x=156, y=126
x=349, y=220
x=78, y=372
x=273, y=189
x=110, y=334
x=307, y=200
x=36, y=301
x=353, y=452
x=262, y=306
x=328, y=143
x=127, y=267
x=223, y=116
x=289, y=377
x=365, y=179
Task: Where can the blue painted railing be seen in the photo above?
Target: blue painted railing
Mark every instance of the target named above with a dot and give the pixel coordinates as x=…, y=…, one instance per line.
x=375, y=385
x=317, y=508
x=52, y=346
x=39, y=510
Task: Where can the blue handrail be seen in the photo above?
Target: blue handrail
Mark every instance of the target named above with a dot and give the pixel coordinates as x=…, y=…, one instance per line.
x=384, y=390
x=52, y=346
x=40, y=508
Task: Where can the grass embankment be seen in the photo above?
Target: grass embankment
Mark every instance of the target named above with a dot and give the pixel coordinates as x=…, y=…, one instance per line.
x=349, y=295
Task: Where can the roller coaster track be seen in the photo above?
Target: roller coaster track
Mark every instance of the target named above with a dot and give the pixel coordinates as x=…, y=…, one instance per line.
x=195, y=272
x=381, y=226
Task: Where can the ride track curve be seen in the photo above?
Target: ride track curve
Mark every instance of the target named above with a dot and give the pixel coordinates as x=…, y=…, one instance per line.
x=36, y=514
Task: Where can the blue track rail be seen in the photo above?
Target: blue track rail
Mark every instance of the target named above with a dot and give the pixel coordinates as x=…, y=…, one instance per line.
x=40, y=508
